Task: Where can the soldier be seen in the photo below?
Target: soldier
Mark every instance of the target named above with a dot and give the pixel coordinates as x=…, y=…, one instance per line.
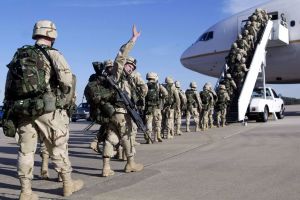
x=229, y=84
x=35, y=109
x=153, y=105
x=207, y=101
x=212, y=106
x=221, y=105
x=240, y=72
x=172, y=102
x=249, y=38
x=120, y=126
x=97, y=95
x=178, y=113
x=242, y=43
x=194, y=106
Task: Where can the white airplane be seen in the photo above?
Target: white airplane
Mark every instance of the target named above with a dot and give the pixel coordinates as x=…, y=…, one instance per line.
x=207, y=54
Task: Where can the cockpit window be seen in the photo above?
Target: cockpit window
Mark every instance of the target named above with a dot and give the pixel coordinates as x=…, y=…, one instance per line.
x=206, y=36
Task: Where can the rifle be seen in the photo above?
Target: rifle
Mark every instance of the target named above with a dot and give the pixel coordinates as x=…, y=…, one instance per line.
x=130, y=107
x=89, y=126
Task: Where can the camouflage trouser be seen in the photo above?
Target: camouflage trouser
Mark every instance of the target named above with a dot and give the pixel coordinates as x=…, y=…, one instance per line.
x=154, y=120
x=221, y=116
x=120, y=130
x=177, y=114
x=169, y=122
x=204, y=119
x=211, y=117
x=53, y=129
x=192, y=112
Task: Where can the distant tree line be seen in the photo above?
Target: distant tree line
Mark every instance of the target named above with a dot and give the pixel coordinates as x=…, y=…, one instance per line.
x=290, y=100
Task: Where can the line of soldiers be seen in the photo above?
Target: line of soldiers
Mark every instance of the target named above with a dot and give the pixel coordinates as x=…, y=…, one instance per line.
x=242, y=51
x=165, y=104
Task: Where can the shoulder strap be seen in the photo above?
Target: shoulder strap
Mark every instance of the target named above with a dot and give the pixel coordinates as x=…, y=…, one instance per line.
x=44, y=52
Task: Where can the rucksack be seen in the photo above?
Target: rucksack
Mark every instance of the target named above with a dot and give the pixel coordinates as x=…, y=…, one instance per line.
x=191, y=97
x=152, y=98
x=26, y=74
x=99, y=95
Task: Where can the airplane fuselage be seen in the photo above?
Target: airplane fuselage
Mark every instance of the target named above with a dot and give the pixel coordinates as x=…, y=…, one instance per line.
x=207, y=54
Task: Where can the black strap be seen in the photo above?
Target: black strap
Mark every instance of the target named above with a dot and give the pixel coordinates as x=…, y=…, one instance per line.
x=39, y=47
x=45, y=54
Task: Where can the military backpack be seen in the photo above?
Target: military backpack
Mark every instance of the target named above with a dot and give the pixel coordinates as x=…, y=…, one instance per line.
x=152, y=98
x=99, y=95
x=26, y=74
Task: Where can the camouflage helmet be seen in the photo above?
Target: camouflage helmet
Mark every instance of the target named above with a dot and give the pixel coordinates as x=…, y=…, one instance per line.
x=193, y=84
x=108, y=63
x=234, y=45
x=249, y=23
x=207, y=86
x=152, y=76
x=169, y=80
x=177, y=84
x=44, y=28
x=258, y=10
x=131, y=61
x=222, y=87
x=243, y=60
x=253, y=17
x=246, y=32
x=240, y=36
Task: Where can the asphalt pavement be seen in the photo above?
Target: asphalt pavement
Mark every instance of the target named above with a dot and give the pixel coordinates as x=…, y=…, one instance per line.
x=237, y=162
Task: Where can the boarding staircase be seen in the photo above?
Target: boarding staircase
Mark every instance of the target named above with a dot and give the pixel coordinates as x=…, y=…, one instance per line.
x=274, y=34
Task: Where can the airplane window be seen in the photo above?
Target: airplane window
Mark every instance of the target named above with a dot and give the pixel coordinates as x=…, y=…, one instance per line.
x=293, y=23
x=206, y=36
x=210, y=35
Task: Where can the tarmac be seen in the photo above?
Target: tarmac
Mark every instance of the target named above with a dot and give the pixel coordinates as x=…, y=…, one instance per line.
x=237, y=162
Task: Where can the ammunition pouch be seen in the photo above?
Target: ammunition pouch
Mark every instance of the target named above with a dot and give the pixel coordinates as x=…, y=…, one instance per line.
x=9, y=128
x=8, y=122
x=108, y=110
x=28, y=107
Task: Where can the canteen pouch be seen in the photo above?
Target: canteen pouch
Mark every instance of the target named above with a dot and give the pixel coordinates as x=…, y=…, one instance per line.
x=49, y=100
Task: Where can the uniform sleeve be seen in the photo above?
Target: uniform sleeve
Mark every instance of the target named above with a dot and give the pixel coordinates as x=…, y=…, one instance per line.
x=62, y=69
x=121, y=59
x=141, y=86
x=163, y=91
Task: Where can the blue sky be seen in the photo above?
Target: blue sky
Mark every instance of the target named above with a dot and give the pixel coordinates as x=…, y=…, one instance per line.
x=90, y=30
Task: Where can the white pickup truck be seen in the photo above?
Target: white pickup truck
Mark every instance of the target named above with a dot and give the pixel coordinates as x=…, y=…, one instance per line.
x=261, y=106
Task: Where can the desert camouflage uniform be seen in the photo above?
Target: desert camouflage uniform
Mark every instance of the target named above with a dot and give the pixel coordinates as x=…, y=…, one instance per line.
x=221, y=105
x=172, y=102
x=121, y=127
x=178, y=112
x=153, y=115
x=194, y=106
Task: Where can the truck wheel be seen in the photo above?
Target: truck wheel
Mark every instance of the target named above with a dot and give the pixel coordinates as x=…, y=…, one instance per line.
x=265, y=114
x=280, y=114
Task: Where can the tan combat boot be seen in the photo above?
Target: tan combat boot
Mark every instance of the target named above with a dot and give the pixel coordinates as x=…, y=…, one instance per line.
x=158, y=137
x=132, y=166
x=106, y=171
x=44, y=168
x=69, y=185
x=95, y=145
x=188, y=128
x=26, y=192
x=197, y=128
